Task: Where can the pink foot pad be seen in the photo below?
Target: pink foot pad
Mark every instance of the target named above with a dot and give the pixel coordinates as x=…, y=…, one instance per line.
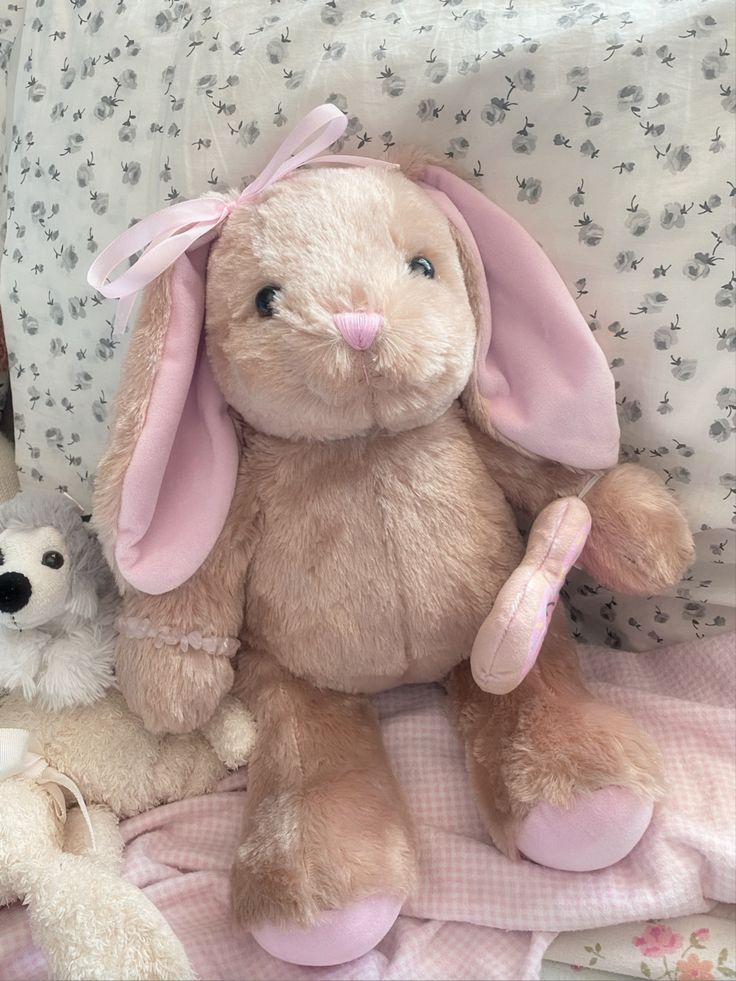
x=599, y=830
x=340, y=936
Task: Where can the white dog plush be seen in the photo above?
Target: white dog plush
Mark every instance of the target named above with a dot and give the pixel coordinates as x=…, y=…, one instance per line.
x=65, y=732
x=57, y=604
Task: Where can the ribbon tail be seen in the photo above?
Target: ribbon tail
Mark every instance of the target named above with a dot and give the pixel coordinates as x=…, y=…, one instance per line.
x=54, y=777
x=122, y=313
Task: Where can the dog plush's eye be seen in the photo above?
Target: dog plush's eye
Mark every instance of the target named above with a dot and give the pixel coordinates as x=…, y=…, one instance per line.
x=54, y=560
x=264, y=300
x=2, y=557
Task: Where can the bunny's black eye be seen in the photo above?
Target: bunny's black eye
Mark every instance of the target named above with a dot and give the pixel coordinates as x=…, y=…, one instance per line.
x=420, y=263
x=264, y=300
x=54, y=560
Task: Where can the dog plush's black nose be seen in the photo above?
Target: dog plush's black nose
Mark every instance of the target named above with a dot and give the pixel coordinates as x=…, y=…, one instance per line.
x=15, y=591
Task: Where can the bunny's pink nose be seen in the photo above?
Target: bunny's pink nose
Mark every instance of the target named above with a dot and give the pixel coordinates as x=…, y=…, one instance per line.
x=359, y=330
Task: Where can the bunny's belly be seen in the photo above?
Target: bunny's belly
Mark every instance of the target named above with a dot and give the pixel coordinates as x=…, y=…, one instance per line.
x=378, y=559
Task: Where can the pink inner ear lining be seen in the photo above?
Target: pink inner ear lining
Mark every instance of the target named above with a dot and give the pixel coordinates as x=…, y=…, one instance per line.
x=187, y=452
x=543, y=378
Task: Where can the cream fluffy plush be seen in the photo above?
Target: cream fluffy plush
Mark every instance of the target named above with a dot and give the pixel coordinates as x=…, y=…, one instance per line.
x=89, y=921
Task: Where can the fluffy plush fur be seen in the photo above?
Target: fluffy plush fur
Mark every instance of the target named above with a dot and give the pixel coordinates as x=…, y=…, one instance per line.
x=90, y=922
x=371, y=530
x=58, y=645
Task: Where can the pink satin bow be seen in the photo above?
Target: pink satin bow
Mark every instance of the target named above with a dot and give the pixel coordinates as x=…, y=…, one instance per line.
x=168, y=233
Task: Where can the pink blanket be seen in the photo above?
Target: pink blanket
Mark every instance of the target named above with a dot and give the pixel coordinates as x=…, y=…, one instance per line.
x=475, y=914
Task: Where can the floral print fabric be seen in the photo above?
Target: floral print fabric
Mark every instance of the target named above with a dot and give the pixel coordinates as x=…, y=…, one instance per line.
x=606, y=128
x=688, y=948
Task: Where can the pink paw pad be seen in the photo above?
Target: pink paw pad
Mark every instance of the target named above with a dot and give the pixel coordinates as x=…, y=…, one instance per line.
x=599, y=830
x=341, y=935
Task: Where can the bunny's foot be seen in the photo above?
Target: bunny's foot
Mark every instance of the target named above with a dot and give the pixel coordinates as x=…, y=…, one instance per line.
x=561, y=779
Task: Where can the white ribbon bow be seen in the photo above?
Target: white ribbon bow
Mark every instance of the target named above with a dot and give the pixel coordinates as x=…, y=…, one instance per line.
x=21, y=755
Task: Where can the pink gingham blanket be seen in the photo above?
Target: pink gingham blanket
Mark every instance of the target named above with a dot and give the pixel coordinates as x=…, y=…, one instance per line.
x=475, y=914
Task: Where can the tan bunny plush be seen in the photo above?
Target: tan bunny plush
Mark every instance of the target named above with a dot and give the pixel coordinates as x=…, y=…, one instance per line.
x=340, y=385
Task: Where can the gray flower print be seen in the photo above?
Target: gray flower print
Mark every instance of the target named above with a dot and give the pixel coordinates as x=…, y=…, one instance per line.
x=713, y=66
x=530, y=190
x=726, y=399
x=629, y=411
x=678, y=159
x=728, y=482
x=589, y=149
x=69, y=257
x=100, y=202
x=589, y=231
x=578, y=76
x=493, y=112
x=338, y=100
x=630, y=95
x=673, y=215
x=524, y=79
x=694, y=611
x=578, y=198
x=334, y=51
x=638, y=221
x=392, y=85
x=131, y=172
x=331, y=15
x=428, y=109
x=680, y=474
x=436, y=69
x=475, y=20
x=720, y=430
x=683, y=369
x=457, y=148
x=524, y=141
x=665, y=337
x=626, y=261
x=652, y=302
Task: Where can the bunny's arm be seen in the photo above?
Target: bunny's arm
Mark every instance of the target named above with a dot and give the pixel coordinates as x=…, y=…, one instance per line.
x=176, y=686
x=639, y=542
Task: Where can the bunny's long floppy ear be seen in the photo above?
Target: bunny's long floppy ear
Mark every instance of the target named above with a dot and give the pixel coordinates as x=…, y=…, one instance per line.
x=541, y=381
x=165, y=485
